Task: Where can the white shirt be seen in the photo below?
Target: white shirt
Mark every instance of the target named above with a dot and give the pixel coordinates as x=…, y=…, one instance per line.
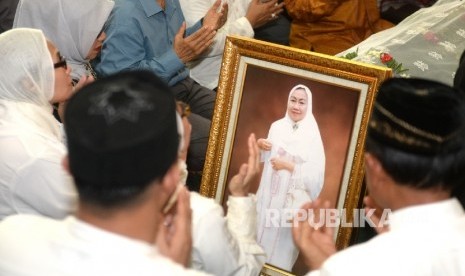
x=38, y=246
x=225, y=245
x=423, y=240
x=206, y=70
x=32, y=179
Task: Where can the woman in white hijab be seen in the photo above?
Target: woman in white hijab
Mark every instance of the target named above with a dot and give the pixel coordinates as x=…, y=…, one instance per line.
x=33, y=76
x=75, y=27
x=293, y=173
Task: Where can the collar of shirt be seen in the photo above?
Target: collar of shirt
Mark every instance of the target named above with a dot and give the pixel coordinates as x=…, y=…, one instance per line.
x=151, y=7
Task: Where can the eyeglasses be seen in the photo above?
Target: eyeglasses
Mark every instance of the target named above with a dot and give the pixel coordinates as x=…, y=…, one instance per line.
x=183, y=109
x=61, y=63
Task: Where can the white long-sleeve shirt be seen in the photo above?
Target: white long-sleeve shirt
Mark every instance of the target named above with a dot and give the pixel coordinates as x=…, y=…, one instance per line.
x=32, y=245
x=32, y=178
x=206, y=70
x=422, y=240
x=225, y=245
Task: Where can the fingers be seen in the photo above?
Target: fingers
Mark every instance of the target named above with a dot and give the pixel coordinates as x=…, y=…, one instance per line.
x=254, y=160
x=174, y=237
x=192, y=46
x=216, y=5
x=225, y=8
x=83, y=81
x=239, y=185
x=182, y=30
x=183, y=208
x=327, y=230
x=201, y=37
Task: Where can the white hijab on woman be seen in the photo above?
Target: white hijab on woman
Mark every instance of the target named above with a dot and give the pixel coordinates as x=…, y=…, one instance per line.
x=303, y=141
x=27, y=81
x=72, y=25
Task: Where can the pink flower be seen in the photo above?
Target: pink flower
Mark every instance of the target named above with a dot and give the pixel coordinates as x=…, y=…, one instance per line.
x=385, y=57
x=431, y=36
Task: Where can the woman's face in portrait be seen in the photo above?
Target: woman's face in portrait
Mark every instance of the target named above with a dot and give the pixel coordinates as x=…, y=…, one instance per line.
x=297, y=105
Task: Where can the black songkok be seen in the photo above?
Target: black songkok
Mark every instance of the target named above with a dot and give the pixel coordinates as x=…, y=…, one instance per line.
x=418, y=116
x=121, y=131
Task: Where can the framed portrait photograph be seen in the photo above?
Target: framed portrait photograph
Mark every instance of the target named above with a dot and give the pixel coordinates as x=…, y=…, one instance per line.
x=309, y=113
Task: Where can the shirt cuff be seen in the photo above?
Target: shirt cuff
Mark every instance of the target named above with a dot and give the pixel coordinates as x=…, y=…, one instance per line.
x=242, y=216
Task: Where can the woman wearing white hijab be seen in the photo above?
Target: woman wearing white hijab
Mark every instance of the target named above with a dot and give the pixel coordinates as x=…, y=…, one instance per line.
x=75, y=27
x=34, y=75
x=293, y=173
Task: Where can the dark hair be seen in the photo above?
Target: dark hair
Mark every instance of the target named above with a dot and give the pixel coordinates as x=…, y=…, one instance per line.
x=122, y=136
x=425, y=106
x=420, y=171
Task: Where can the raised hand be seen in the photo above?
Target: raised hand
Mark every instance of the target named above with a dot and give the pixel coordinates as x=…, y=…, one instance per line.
x=240, y=183
x=260, y=12
x=189, y=48
x=174, y=238
x=314, y=239
x=216, y=16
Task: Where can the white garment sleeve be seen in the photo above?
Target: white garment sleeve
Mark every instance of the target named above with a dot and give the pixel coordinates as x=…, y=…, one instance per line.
x=240, y=26
x=225, y=246
x=43, y=187
x=242, y=223
x=236, y=24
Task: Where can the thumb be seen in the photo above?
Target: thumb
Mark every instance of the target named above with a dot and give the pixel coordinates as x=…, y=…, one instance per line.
x=181, y=30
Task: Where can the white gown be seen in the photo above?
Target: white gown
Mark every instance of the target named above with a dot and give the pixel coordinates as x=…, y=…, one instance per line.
x=281, y=191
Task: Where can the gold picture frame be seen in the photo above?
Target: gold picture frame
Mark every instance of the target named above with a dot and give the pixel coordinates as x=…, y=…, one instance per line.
x=255, y=80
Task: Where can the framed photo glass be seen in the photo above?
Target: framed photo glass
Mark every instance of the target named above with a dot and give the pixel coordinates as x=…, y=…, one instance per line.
x=313, y=110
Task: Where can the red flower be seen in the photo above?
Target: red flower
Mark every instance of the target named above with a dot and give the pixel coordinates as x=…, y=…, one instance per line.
x=385, y=57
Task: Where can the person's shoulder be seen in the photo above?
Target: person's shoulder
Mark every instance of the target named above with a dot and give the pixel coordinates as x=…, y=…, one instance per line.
x=203, y=206
x=126, y=8
x=24, y=225
x=355, y=257
x=22, y=221
x=279, y=122
x=201, y=203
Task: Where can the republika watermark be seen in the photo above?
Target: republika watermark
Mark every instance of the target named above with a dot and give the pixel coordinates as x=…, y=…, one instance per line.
x=325, y=217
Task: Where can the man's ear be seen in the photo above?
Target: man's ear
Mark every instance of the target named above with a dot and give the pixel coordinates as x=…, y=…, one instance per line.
x=65, y=164
x=374, y=169
x=171, y=178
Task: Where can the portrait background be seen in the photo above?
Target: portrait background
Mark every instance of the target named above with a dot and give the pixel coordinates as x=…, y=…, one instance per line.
x=264, y=101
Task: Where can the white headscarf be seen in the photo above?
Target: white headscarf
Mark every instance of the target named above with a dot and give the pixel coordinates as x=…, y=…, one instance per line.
x=27, y=80
x=304, y=143
x=72, y=25
x=307, y=127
